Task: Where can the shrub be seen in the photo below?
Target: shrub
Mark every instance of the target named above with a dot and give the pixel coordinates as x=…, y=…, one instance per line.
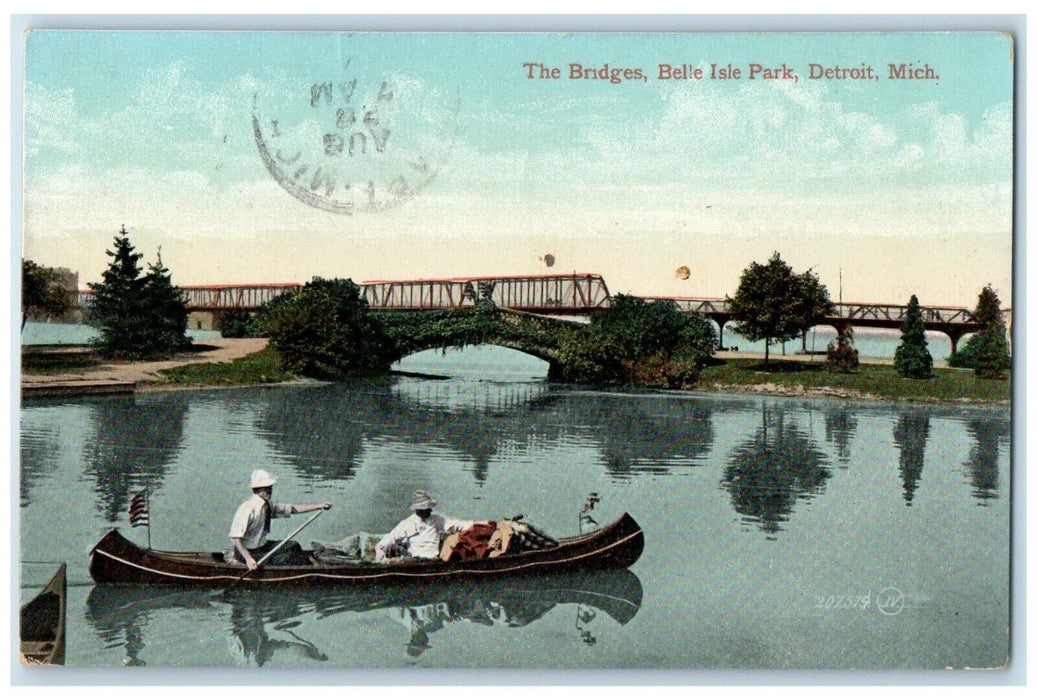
x=236, y=323
x=326, y=331
x=842, y=356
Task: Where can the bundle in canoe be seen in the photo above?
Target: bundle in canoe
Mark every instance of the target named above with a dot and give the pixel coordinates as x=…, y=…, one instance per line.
x=117, y=560
x=42, y=625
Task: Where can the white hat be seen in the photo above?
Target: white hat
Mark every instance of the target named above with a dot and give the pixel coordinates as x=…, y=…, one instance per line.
x=262, y=478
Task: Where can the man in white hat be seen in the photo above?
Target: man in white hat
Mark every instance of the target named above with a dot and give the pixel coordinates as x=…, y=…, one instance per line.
x=419, y=535
x=251, y=525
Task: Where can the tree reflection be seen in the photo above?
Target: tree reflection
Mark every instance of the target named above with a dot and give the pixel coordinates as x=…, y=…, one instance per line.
x=910, y=434
x=319, y=433
x=840, y=427
x=39, y=447
x=767, y=474
x=323, y=430
x=643, y=435
x=983, y=457
x=136, y=440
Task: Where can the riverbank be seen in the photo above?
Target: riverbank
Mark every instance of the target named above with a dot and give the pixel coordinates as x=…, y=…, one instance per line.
x=872, y=381
x=227, y=362
x=68, y=370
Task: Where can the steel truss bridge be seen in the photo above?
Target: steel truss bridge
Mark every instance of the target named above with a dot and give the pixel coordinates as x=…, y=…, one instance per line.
x=573, y=294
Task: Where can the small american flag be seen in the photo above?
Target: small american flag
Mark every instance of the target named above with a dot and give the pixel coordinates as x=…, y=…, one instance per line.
x=139, y=510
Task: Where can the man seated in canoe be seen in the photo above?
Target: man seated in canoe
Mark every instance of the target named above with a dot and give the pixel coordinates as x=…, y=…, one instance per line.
x=419, y=536
x=251, y=526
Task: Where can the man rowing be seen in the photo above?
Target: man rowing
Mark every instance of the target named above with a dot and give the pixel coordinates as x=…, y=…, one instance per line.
x=251, y=526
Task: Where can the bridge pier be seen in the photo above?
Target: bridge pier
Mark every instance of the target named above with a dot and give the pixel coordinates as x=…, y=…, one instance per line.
x=720, y=319
x=955, y=334
x=842, y=328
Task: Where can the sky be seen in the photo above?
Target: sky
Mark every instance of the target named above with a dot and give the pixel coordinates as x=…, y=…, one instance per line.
x=229, y=152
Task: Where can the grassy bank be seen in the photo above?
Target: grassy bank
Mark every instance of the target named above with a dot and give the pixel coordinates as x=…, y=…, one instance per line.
x=263, y=367
x=57, y=359
x=871, y=381
x=782, y=377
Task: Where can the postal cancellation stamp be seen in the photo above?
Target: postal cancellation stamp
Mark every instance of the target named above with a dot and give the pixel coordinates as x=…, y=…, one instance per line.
x=351, y=142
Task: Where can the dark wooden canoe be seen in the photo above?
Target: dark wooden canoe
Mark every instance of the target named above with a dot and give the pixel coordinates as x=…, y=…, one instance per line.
x=42, y=625
x=117, y=560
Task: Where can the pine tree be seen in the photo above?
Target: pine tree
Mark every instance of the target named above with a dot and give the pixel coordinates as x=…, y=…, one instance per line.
x=912, y=358
x=115, y=309
x=137, y=317
x=990, y=346
x=165, y=305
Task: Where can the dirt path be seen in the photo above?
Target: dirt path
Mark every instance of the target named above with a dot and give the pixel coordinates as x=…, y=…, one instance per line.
x=121, y=373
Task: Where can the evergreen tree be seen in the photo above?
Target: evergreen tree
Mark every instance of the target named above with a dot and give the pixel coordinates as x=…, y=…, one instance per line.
x=912, y=358
x=164, y=303
x=774, y=304
x=990, y=345
x=136, y=316
x=115, y=309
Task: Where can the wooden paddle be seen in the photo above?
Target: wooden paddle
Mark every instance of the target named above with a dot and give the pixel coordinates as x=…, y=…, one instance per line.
x=280, y=544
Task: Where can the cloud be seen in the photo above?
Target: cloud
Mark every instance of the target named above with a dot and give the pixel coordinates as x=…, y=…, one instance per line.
x=49, y=121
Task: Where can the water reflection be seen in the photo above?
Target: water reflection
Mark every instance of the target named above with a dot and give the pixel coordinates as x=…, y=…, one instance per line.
x=482, y=396
x=135, y=442
x=325, y=430
x=41, y=447
x=641, y=434
x=910, y=435
x=768, y=473
x=261, y=626
x=986, y=434
x=840, y=427
x=262, y=623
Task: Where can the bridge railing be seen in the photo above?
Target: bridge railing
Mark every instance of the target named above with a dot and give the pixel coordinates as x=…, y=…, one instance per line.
x=542, y=293
x=218, y=297
x=897, y=312
x=696, y=305
x=558, y=294
x=893, y=313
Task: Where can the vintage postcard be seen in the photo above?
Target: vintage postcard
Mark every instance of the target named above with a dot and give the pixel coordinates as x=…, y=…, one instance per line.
x=490, y=350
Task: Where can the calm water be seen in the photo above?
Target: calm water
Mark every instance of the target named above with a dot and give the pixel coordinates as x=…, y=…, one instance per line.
x=780, y=533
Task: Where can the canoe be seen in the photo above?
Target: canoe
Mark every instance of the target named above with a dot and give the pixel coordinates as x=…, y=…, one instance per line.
x=42, y=624
x=117, y=560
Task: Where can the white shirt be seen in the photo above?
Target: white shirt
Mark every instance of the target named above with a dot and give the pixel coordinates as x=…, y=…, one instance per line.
x=250, y=522
x=420, y=537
